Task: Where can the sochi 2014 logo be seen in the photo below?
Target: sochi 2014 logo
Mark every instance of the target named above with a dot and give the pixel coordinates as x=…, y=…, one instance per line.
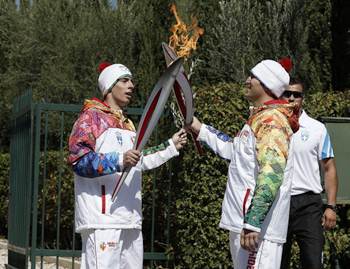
x=103, y=246
x=119, y=138
x=304, y=135
x=109, y=245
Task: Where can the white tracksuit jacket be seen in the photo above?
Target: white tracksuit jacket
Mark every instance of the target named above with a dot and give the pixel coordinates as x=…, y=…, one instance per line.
x=242, y=177
x=97, y=131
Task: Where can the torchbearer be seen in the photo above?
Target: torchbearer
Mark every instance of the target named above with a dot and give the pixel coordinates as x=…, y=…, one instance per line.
x=101, y=146
x=256, y=202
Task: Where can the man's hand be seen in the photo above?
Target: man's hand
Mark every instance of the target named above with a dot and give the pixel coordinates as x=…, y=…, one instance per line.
x=249, y=240
x=329, y=219
x=131, y=158
x=195, y=126
x=180, y=139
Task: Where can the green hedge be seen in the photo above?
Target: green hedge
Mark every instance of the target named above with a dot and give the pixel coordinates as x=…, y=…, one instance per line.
x=328, y=104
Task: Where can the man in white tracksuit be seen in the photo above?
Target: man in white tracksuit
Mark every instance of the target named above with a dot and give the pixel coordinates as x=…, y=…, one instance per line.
x=100, y=147
x=256, y=202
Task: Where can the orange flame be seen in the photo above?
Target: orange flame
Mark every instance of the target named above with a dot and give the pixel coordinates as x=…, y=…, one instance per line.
x=184, y=37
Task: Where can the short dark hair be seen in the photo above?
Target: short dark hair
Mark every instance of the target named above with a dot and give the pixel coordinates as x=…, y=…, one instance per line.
x=297, y=80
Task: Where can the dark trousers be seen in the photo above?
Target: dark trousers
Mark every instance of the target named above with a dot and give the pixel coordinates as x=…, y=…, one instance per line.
x=305, y=224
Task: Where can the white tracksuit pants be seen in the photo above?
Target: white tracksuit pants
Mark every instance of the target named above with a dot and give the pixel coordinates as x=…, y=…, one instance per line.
x=267, y=256
x=112, y=249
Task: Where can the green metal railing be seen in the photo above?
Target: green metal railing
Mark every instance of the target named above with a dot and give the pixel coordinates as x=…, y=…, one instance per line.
x=20, y=184
x=41, y=218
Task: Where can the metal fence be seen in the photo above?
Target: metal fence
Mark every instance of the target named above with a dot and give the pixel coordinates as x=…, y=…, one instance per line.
x=41, y=202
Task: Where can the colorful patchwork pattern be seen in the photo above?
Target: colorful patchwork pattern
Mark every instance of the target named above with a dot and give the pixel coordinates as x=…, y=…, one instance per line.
x=94, y=164
x=96, y=117
x=272, y=131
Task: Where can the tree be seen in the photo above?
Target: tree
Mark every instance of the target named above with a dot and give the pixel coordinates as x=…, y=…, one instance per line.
x=10, y=36
x=340, y=44
x=244, y=32
x=54, y=48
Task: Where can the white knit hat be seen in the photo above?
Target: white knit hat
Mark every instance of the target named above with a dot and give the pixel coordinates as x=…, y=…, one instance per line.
x=109, y=76
x=272, y=75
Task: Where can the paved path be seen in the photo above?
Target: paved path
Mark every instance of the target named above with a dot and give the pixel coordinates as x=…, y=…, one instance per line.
x=3, y=253
x=49, y=262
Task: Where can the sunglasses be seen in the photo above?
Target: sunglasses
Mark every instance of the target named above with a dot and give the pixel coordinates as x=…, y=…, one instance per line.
x=288, y=94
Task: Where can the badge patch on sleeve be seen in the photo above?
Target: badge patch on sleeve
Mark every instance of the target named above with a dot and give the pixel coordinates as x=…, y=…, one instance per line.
x=244, y=136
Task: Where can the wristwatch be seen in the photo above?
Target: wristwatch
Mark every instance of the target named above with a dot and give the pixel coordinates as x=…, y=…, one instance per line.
x=333, y=207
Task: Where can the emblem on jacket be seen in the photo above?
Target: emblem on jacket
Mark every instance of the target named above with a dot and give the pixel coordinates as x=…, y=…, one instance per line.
x=119, y=138
x=304, y=135
x=103, y=246
x=243, y=135
x=110, y=244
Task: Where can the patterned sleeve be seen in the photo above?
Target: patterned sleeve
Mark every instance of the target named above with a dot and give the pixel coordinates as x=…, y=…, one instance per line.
x=217, y=141
x=85, y=161
x=272, y=143
x=95, y=164
x=156, y=156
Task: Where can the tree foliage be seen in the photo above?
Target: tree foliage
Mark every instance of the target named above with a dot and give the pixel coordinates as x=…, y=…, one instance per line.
x=340, y=44
x=245, y=32
x=54, y=48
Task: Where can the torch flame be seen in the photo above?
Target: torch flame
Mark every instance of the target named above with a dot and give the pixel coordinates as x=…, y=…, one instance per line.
x=184, y=37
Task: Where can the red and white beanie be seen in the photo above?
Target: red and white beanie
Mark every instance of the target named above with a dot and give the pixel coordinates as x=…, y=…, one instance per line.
x=110, y=74
x=273, y=75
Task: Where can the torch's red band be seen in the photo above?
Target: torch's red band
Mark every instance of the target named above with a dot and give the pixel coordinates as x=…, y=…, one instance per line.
x=147, y=117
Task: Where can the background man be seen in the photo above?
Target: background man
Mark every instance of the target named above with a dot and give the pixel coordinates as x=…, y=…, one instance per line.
x=307, y=218
x=259, y=174
x=100, y=147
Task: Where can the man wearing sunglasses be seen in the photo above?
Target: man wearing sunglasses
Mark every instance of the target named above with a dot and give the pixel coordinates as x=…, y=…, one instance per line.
x=307, y=218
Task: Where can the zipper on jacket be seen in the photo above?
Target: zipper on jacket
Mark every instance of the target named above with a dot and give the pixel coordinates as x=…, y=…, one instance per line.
x=103, y=197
